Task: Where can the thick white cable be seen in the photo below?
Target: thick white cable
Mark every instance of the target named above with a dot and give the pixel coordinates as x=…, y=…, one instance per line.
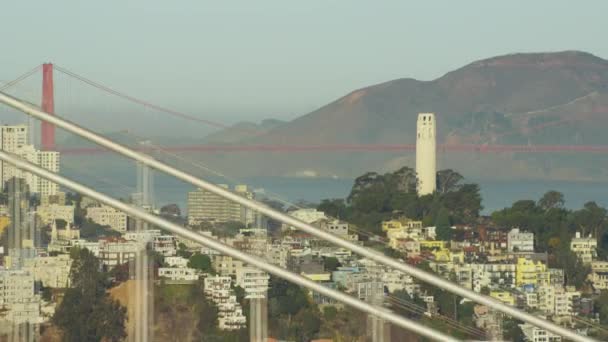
x=225, y=249
x=291, y=221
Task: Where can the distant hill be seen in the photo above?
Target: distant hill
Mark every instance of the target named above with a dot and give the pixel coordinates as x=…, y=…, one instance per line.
x=531, y=98
x=242, y=131
x=528, y=98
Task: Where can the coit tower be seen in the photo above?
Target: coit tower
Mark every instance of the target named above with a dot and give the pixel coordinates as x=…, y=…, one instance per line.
x=426, y=163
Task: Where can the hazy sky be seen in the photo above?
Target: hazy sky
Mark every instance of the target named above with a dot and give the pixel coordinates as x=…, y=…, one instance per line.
x=232, y=60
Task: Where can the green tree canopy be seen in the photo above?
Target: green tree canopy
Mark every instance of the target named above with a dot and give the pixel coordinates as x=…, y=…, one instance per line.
x=201, y=262
x=87, y=313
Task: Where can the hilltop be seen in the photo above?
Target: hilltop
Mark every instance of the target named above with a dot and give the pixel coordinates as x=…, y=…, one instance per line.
x=526, y=98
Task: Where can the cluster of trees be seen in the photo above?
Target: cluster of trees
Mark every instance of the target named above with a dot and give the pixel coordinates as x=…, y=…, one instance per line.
x=554, y=226
x=291, y=313
x=87, y=312
x=183, y=313
x=375, y=198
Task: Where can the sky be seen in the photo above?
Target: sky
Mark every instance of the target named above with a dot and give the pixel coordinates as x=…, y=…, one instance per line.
x=247, y=60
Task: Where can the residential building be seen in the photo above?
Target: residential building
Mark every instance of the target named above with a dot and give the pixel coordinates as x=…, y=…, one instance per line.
x=108, y=216
x=308, y=215
x=179, y=273
x=12, y=139
x=230, y=313
x=519, y=241
x=51, y=271
x=401, y=224
x=207, y=206
x=176, y=261
x=253, y=281
x=336, y=227
x=535, y=334
x=529, y=272
x=504, y=296
x=165, y=245
x=599, y=275
x=585, y=248
x=225, y=265
x=113, y=252
x=51, y=212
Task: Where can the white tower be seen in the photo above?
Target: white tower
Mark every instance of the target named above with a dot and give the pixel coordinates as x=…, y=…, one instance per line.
x=426, y=162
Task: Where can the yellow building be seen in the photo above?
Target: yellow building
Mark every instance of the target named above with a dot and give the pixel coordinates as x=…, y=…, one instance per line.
x=4, y=222
x=529, y=272
x=445, y=255
x=433, y=244
x=318, y=277
x=503, y=296
x=399, y=224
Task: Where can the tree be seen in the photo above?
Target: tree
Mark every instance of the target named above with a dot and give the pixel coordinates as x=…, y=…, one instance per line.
x=230, y=228
x=170, y=210
x=87, y=298
x=201, y=262
x=93, y=231
x=333, y=208
x=448, y=181
x=443, y=226
x=551, y=200
x=182, y=251
x=331, y=264
x=575, y=271
x=602, y=306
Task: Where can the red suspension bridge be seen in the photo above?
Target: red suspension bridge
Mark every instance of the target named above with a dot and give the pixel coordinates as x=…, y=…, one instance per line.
x=48, y=132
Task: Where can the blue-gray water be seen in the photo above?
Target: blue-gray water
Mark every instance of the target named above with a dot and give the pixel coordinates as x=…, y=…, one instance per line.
x=495, y=194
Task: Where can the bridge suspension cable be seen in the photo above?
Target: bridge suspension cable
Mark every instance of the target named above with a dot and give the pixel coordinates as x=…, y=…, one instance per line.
x=225, y=249
x=20, y=78
x=291, y=221
x=139, y=101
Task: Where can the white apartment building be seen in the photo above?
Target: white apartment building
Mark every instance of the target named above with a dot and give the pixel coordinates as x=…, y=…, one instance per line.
x=12, y=139
x=558, y=300
x=395, y=280
x=93, y=247
x=519, y=241
x=277, y=254
x=51, y=271
x=599, y=275
x=207, y=206
x=108, y=216
x=584, y=247
x=336, y=227
x=165, y=245
x=225, y=265
x=51, y=212
x=142, y=236
x=117, y=252
x=535, y=334
x=176, y=261
x=178, y=273
x=16, y=286
x=253, y=281
x=308, y=215
x=230, y=313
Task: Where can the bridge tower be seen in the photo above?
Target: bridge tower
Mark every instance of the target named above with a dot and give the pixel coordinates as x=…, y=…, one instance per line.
x=48, y=105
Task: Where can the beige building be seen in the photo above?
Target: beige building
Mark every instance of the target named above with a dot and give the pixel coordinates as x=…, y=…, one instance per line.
x=108, y=216
x=52, y=271
x=584, y=247
x=206, y=206
x=14, y=139
x=48, y=213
